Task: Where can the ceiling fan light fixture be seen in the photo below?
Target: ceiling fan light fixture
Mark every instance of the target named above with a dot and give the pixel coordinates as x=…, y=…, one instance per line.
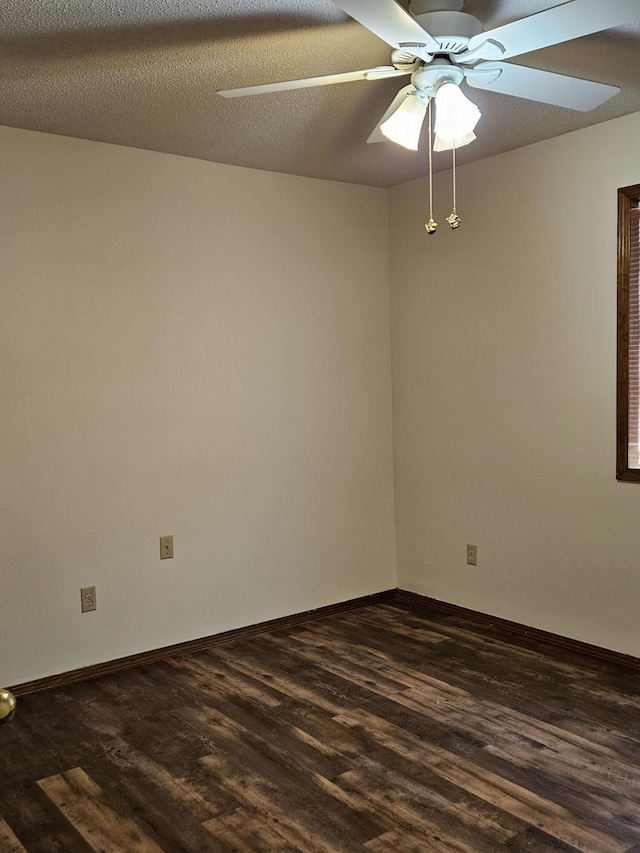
x=456, y=117
x=404, y=125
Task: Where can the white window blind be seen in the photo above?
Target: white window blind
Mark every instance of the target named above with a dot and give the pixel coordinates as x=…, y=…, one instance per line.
x=628, y=397
x=634, y=337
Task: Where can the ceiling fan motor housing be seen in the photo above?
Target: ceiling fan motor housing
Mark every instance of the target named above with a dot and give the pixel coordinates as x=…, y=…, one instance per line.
x=451, y=29
x=419, y=7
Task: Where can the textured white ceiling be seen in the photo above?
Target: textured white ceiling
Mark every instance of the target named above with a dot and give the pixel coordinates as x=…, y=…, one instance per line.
x=144, y=73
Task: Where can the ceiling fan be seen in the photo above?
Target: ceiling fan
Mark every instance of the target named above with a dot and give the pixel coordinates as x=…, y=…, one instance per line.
x=441, y=46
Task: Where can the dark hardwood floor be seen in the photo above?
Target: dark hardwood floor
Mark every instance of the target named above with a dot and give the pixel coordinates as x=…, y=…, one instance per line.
x=389, y=728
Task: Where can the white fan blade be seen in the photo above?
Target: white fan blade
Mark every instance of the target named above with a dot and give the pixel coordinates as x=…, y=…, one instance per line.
x=378, y=135
x=389, y=21
x=536, y=85
x=306, y=82
x=562, y=23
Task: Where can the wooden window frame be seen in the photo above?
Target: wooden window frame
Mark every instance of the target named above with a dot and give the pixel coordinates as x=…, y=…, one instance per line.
x=628, y=199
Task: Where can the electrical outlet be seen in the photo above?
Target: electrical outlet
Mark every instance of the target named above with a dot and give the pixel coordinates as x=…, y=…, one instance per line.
x=88, y=600
x=472, y=555
x=166, y=547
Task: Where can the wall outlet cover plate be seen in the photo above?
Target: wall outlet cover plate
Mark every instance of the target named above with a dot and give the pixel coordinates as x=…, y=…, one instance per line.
x=88, y=600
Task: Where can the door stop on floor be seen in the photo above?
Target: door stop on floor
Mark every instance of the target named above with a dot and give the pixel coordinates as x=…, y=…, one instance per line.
x=7, y=706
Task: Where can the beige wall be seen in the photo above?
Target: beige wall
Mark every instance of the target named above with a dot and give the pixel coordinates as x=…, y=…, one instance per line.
x=192, y=349
x=202, y=350
x=504, y=336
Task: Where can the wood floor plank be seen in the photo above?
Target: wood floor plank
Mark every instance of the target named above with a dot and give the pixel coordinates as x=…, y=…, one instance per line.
x=566, y=682
x=248, y=833
x=266, y=778
x=35, y=820
x=345, y=665
x=517, y=738
x=417, y=812
x=161, y=796
x=533, y=840
x=404, y=842
x=158, y=779
x=301, y=822
x=501, y=726
x=521, y=803
x=81, y=801
x=318, y=688
x=406, y=629
x=8, y=841
x=270, y=739
x=214, y=676
x=457, y=816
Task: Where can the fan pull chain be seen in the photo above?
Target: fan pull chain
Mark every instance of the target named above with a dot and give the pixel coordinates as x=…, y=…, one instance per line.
x=454, y=220
x=431, y=225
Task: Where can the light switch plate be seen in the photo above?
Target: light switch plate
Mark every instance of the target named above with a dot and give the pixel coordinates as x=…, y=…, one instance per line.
x=166, y=547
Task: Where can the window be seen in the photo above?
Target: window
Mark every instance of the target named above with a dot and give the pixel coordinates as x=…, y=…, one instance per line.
x=628, y=451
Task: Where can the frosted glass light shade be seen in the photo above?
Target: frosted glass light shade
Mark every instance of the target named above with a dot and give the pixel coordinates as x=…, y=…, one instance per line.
x=448, y=144
x=456, y=117
x=404, y=126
